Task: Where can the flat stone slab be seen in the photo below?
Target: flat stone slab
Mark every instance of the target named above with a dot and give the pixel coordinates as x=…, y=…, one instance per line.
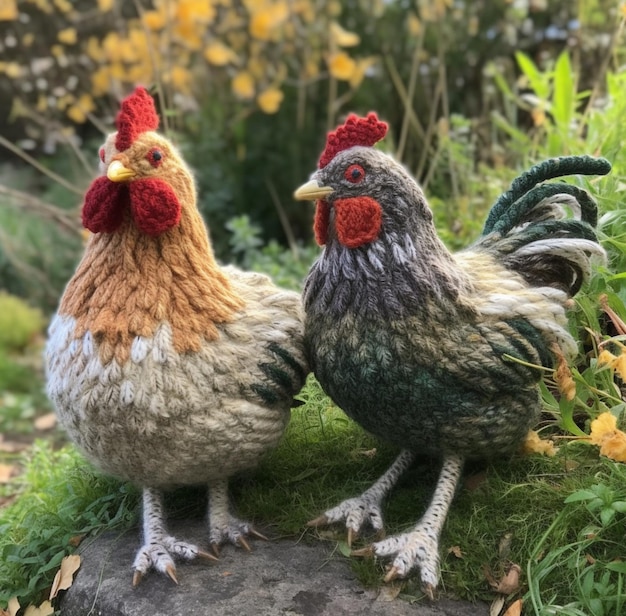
x=279, y=578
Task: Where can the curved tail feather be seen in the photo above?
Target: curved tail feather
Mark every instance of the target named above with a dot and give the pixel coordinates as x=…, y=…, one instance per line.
x=529, y=230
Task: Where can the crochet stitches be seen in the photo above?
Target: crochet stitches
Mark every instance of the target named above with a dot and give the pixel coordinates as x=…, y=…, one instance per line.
x=137, y=115
x=419, y=345
x=166, y=369
x=355, y=131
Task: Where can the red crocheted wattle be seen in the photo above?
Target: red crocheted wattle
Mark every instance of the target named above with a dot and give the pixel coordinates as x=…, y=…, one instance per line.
x=154, y=205
x=321, y=221
x=357, y=220
x=136, y=115
x=105, y=202
x=355, y=131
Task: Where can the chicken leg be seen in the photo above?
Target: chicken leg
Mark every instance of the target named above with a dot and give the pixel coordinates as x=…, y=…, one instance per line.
x=159, y=546
x=420, y=546
x=366, y=508
x=223, y=525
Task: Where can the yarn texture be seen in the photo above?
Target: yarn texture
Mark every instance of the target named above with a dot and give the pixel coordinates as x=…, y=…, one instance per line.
x=432, y=351
x=166, y=369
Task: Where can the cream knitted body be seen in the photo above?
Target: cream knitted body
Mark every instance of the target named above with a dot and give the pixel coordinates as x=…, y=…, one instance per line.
x=165, y=418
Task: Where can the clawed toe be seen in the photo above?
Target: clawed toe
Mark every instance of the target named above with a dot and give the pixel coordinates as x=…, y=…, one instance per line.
x=160, y=555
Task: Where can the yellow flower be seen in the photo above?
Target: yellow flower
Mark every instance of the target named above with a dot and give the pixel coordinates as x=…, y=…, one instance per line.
x=341, y=37
x=8, y=10
x=180, y=78
x=243, y=85
x=154, y=20
x=618, y=363
x=266, y=20
x=101, y=81
x=79, y=110
x=612, y=441
x=413, y=24
x=535, y=444
x=341, y=66
x=269, y=100
x=601, y=427
x=67, y=36
x=219, y=55
x=362, y=64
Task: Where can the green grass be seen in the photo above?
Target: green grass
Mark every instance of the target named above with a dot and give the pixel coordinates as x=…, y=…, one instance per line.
x=325, y=458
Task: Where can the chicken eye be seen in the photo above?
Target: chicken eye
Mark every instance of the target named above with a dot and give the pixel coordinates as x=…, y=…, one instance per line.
x=354, y=174
x=155, y=157
x=101, y=154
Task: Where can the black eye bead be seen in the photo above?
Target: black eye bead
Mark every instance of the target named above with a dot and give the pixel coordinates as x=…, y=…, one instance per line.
x=155, y=157
x=354, y=174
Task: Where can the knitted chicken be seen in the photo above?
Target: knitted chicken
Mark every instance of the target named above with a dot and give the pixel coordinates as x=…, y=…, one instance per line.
x=429, y=350
x=164, y=368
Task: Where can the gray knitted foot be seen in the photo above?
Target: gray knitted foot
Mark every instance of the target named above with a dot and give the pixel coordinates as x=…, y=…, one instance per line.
x=418, y=548
x=356, y=512
x=366, y=509
x=160, y=548
x=223, y=526
x=159, y=553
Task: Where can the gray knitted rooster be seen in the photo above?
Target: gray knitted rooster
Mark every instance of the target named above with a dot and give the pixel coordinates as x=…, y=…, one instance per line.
x=164, y=368
x=419, y=345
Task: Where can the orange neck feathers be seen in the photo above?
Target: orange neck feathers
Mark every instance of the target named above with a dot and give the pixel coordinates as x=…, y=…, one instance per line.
x=128, y=283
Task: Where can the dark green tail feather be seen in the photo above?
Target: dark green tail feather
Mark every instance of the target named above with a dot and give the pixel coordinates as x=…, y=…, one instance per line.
x=284, y=376
x=546, y=170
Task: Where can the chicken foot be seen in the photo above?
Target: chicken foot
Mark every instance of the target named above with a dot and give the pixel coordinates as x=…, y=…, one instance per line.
x=159, y=545
x=420, y=546
x=366, y=508
x=223, y=525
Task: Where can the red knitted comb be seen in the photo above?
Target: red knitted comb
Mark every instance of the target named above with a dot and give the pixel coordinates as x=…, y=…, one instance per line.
x=136, y=115
x=355, y=131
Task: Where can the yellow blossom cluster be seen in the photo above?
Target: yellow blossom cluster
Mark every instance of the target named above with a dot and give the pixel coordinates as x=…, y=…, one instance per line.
x=535, y=444
x=617, y=362
x=608, y=437
x=249, y=47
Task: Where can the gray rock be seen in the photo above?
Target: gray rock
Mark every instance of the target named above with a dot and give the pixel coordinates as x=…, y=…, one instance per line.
x=279, y=578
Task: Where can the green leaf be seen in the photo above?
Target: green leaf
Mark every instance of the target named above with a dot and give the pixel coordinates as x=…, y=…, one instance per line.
x=536, y=80
x=618, y=567
x=564, y=93
x=580, y=495
x=606, y=515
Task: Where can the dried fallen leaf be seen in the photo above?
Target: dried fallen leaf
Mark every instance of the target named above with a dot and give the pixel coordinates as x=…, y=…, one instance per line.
x=510, y=582
x=76, y=540
x=6, y=471
x=12, y=607
x=46, y=422
x=65, y=575
x=45, y=609
x=496, y=606
x=590, y=559
x=456, y=550
x=515, y=609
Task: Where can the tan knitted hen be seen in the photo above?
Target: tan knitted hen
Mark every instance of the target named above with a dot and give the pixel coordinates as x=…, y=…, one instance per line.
x=164, y=368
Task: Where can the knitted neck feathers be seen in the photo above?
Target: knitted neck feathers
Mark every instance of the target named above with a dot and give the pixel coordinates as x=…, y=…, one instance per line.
x=129, y=282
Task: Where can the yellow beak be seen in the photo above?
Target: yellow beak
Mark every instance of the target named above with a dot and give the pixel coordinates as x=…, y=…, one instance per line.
x=118, y=173
x=312, y=191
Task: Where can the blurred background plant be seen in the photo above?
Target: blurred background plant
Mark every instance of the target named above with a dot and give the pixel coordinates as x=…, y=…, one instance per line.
x=473, y=93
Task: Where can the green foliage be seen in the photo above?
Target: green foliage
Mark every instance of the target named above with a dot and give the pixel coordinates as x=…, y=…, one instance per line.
x=286, y=268
x=62, y=499
x=585, y=575
x=19, y=323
